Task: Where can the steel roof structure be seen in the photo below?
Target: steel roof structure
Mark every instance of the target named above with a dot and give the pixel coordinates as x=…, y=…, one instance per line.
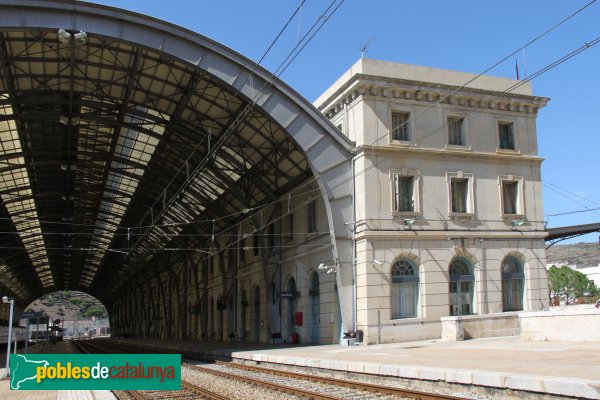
x=120, y=134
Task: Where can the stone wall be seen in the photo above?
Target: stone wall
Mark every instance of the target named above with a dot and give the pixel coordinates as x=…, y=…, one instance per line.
x=480, y=326
x=570, y=325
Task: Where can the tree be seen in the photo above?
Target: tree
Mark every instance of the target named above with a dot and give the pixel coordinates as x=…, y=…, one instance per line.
x=568, y=282
x=94, y=312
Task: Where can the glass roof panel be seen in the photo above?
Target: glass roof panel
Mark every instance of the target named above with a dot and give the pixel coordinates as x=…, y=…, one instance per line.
x=137, y=142
x=19, y=178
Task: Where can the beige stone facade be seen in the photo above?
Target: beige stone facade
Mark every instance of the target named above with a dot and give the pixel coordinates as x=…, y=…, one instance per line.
x=402, y=119
x=285, y=249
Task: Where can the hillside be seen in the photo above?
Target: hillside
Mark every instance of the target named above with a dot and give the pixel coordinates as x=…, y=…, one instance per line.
x=580, y=254
x=80, y=309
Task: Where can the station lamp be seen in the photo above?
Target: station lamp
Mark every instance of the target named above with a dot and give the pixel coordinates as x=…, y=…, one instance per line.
x=518, y=222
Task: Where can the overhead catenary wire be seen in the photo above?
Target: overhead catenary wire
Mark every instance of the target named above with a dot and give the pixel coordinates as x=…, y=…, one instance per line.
x=567, y=195
x=508, y=90
x=263, y=56
x=499, y=62
x=237, y=120
x=540, y=72
x=158, y=225
x=573, y=212
x=481, y=74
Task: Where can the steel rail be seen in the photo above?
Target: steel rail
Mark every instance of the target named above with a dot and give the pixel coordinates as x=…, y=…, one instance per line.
x=265, y=384
x=367, y=387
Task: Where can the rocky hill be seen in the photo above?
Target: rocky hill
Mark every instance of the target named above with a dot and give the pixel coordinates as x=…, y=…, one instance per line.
x=580, y=254
x=80, y=309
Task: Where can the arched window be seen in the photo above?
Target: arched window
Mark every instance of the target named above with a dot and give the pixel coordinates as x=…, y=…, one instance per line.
x=513, y=282
x=405, y=289
x=461, y=287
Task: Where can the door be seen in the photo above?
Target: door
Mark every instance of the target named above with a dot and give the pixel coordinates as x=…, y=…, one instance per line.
x=315, y=302
x=256, y=325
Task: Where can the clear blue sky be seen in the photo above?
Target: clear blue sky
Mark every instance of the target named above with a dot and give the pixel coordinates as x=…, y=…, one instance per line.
x=460, y=35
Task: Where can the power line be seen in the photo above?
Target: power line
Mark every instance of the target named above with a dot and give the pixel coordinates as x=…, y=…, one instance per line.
x=573, y=212
x=558, y=190
x=540, y=72
x=412, y=118
x=238, y=119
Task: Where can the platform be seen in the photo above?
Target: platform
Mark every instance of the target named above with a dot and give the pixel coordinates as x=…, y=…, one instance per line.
x=555, y=368
x=58, y=348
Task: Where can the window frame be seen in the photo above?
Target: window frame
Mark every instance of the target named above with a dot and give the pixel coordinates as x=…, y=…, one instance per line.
x=416, y=191
x=508, y=279
x=464, y=131
x=399, y=284
x=409, y=125
x=504, y=121
x=458, y=279
x=470, y=197
x=520, y=200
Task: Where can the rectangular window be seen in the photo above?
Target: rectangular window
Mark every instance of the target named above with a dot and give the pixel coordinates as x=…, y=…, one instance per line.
x=403, y=193
x=455, y=131
x=400, y=126
x=510, y=194
x=506, y=135
x=460, y=193
x=311, y=217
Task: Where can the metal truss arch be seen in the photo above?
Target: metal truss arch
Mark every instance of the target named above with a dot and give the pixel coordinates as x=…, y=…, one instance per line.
x=98, y=130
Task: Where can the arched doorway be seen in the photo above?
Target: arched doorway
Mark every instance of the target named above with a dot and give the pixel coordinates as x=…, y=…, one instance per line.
x=513, y=284
x=315, y=308
x=256, y=324
x=404, y=289
x=220, y=306
x=291, y=319
x=461, y=286
x=211, y=319
x=243, y=311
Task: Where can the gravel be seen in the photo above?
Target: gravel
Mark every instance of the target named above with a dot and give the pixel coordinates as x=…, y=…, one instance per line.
x=331, y=390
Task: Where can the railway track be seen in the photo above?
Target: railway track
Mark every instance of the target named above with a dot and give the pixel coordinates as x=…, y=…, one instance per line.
x=187, y=392
x=293, y=383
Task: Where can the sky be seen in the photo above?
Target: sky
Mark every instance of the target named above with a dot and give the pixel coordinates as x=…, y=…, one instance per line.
x=463, y=35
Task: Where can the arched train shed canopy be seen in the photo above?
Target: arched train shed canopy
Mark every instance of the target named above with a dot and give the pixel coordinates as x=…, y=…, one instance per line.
x=117, y=130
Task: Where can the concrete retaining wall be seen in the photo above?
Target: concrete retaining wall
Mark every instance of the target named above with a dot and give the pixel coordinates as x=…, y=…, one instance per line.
x=479, y=326
x=575, y=325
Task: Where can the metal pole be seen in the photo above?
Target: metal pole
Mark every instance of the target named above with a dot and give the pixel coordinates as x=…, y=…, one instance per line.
x=10, y=321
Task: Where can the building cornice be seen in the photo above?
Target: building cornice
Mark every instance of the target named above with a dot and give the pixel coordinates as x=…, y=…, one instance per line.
x=406, y=150
x=413, y=234
x=426, y=92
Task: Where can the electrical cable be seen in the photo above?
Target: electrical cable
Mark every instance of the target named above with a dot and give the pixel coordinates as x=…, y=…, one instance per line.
x=238, y=119
x=545, y=69
x=411, y=118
